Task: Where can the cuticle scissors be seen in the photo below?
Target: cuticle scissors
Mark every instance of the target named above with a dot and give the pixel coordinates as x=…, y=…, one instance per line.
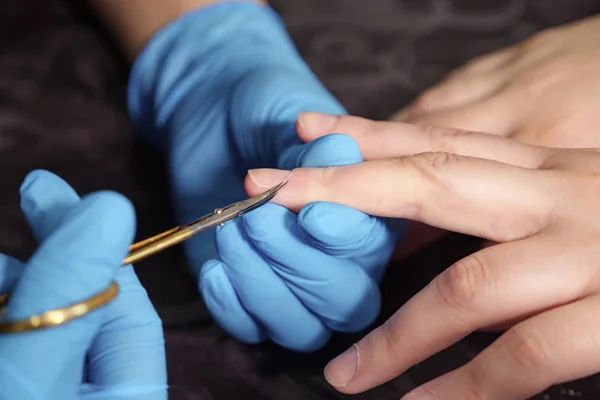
x=155, y=244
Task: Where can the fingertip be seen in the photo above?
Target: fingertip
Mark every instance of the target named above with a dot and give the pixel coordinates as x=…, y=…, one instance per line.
x=30, y=178
x=224, y=305
x=207, y=268
x=311, y=343
x=331, y=150
x=114, y=212
x=262, y=225
x=342, y=369
x=314, y=124
x=259, y=180
x=250, y=186
x=36, y=174
x=325, y=151
x=42, y=188
x=231, y=245
x=45, y=200
x=100, y=227
x=329, y=223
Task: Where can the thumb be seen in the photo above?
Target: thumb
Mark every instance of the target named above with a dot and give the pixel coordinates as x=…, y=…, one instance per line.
x=75, y=262
x=325, y=151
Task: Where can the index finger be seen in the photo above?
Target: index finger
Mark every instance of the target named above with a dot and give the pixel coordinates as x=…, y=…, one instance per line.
x=478, y=197
x=386, y=139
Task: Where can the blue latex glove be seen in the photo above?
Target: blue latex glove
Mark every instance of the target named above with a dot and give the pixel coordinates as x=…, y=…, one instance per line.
x=115, y=352
x=220, y=89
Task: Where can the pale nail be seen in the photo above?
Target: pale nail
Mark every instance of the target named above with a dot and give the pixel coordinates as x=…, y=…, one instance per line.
x=315, y=122
x=342, y=369
x=420, y=396
x=267, y=178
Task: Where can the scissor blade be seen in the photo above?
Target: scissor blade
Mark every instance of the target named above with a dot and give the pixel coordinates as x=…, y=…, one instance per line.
x=222, y=215
x=245, y=206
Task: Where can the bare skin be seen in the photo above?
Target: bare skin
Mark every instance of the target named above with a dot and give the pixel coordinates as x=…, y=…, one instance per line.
x=537, y=202
x=544, y=91
x=134, y=22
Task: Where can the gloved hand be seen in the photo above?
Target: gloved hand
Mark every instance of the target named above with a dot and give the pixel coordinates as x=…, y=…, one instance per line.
x=220, y=89
x=115, y=352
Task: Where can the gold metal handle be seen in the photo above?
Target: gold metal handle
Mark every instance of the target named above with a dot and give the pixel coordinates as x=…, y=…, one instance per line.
x=58, y=316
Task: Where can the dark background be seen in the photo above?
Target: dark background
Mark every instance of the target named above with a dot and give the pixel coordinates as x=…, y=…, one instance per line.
x=62, y=108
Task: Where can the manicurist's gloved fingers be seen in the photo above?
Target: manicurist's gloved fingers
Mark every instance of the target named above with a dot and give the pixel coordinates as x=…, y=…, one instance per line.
x=379, y=140
x=344, y=232
x=10, y=272
x=336, y=229
x=343, y=295
x=45, y=200
x=264, y=294
x=127, y=353
x=127, y=357
x=324, y=151
x=78, y=260
x=224, y=304
x=423, y=188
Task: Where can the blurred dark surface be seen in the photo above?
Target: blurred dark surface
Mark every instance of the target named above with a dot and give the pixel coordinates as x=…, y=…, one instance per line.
x=62, y=108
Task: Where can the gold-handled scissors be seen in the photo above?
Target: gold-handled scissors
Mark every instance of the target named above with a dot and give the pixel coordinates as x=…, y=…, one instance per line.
x=145, y=248
x=137, y=252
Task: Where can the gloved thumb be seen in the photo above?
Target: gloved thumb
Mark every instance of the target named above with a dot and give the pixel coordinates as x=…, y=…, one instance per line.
x=326, y=151
x=78, y=260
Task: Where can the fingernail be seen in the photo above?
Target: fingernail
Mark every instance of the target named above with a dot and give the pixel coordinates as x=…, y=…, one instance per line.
x=267, y=178
x=317, y=122
x=420, y=396
x=342, y=369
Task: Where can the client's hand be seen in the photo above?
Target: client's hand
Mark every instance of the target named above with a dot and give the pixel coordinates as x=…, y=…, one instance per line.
x=115, y=352
x=545, y=91
x=543, y=278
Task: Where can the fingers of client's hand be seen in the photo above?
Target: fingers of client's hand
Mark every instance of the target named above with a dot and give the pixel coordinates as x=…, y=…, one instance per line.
x=535, y=354
x=440, y=189
x=478, y=291
x=379, y=140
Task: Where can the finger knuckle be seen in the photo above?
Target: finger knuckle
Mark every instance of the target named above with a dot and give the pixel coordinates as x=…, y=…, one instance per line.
x=474, y=64
x=473, y=384
x=426, y=101
x=429, y=170
x=542, y=38
x=518, y=225
x=389, y=339
x=326, y=175
x=431, y=163
x=443, y=139
x=528, y=348
x=461, y=285
x=428, y=179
